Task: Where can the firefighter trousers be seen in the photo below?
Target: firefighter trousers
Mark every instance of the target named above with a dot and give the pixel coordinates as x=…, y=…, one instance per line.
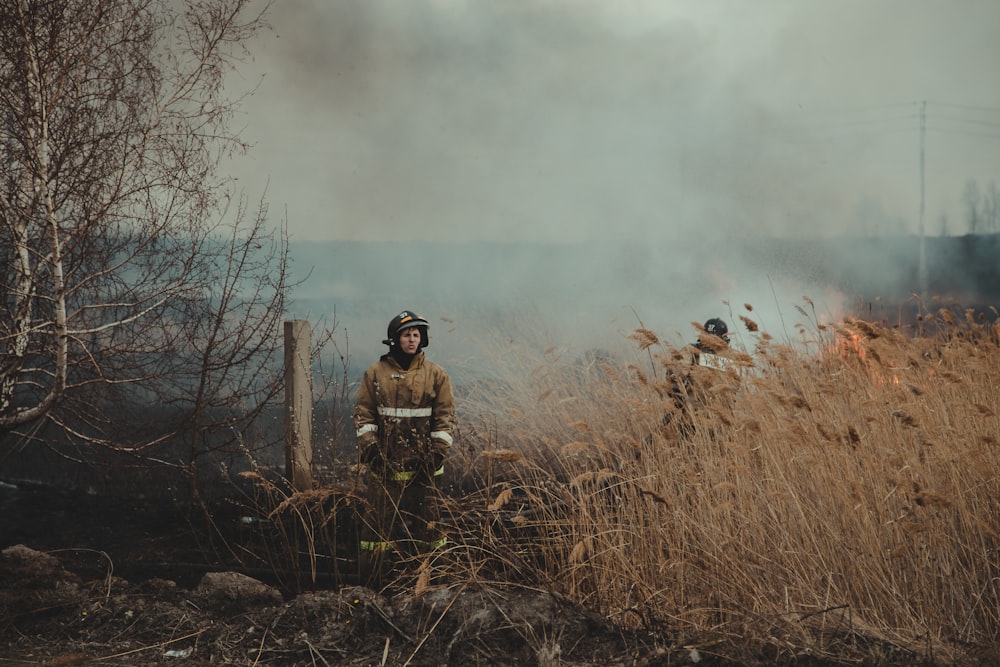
x=402, y=521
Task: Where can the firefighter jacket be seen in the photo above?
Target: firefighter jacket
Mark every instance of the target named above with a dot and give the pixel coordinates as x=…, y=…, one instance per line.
x=697, y=372
x=404, y=416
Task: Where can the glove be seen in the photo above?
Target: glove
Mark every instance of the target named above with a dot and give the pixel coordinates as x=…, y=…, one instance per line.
x=425, y=466
x=372, y=456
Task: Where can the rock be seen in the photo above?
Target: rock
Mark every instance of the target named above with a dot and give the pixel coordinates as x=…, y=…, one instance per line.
x=33, y=568
x=233, y=590
x=29, y=561
x=31, y=580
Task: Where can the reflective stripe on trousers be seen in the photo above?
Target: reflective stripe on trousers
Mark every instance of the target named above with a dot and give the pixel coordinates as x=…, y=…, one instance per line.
x=367, y=545
x=407, y=475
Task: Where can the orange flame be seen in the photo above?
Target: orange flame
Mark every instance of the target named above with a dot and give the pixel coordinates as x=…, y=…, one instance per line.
x=849, y=345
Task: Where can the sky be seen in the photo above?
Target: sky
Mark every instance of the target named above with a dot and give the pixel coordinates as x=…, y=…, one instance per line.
x=581, y=120
x=635, y=122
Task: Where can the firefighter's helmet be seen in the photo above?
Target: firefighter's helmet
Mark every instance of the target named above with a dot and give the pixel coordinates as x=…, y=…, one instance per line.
x=717, y=327
x=406, y=320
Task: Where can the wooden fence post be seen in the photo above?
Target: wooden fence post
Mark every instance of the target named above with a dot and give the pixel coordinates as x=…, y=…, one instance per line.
x=298, y=404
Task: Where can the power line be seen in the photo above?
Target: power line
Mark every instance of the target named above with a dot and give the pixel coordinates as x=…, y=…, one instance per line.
x=872, y=121
x=969, y=121
x=859, y=109
x=979, y=135
x=968, y=107
x=825, y=124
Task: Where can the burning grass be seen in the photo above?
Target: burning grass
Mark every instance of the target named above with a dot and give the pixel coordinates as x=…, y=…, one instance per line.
x=839, y=498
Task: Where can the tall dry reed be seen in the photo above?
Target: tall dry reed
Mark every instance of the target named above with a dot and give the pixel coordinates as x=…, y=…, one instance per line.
x=838, y=497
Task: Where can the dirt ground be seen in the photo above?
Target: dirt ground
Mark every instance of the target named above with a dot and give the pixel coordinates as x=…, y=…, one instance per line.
x=52, y=615
x=88, y=581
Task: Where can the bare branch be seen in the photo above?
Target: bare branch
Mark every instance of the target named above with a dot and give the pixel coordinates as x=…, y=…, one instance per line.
x=139, y=309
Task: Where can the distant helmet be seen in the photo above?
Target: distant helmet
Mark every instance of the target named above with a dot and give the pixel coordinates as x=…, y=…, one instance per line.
x=406, y=320
x=717, y=327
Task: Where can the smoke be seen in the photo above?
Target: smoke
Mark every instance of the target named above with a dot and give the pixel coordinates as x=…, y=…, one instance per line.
x=649, y=136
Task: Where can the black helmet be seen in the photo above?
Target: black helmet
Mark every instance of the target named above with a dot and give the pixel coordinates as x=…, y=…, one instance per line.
x=717, y=327
x=406, y=320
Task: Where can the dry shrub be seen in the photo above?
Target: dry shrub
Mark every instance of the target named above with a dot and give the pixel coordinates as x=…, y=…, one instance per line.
x=840, y=489
x=303, y=538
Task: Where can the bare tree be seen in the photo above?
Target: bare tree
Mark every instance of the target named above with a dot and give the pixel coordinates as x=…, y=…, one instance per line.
x=943, y=221
x=991, y=207
x=971, y=197
x=131, y=276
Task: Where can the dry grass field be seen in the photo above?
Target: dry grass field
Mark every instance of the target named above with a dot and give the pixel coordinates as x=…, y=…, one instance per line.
x=829, y=499
x=836, y=495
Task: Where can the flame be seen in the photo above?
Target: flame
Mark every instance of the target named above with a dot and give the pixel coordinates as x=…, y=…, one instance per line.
x=850, y=345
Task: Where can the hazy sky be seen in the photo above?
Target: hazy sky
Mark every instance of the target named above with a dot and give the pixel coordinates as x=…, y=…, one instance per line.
x=619, y=126
x=580, y=120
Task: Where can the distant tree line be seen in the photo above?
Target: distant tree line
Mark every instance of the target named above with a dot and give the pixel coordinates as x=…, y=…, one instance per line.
x=981, y=207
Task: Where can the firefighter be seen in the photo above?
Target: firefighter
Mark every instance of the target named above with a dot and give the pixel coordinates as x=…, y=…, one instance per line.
x=709, y=351
x=715, y=340
x=405, y=423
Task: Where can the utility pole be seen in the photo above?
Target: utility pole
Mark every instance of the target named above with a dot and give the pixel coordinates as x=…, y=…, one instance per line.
x=922, y=259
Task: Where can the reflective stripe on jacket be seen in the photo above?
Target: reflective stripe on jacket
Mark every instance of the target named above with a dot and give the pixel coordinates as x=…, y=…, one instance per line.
x=408, y=413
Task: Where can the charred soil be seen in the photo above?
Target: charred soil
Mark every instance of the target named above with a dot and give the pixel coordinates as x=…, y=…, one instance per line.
x=94, y=581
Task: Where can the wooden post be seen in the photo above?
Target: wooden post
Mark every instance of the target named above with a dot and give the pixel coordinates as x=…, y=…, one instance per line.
x=298, y=404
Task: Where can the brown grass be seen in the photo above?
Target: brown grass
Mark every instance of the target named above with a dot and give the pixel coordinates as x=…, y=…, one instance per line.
x=840, y=495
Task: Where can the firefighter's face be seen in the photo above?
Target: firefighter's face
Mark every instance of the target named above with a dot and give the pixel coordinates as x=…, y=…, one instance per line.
x=409, y=340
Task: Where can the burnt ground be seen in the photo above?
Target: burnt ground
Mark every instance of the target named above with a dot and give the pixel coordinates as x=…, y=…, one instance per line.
x=86, y=580
x=90, y=580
